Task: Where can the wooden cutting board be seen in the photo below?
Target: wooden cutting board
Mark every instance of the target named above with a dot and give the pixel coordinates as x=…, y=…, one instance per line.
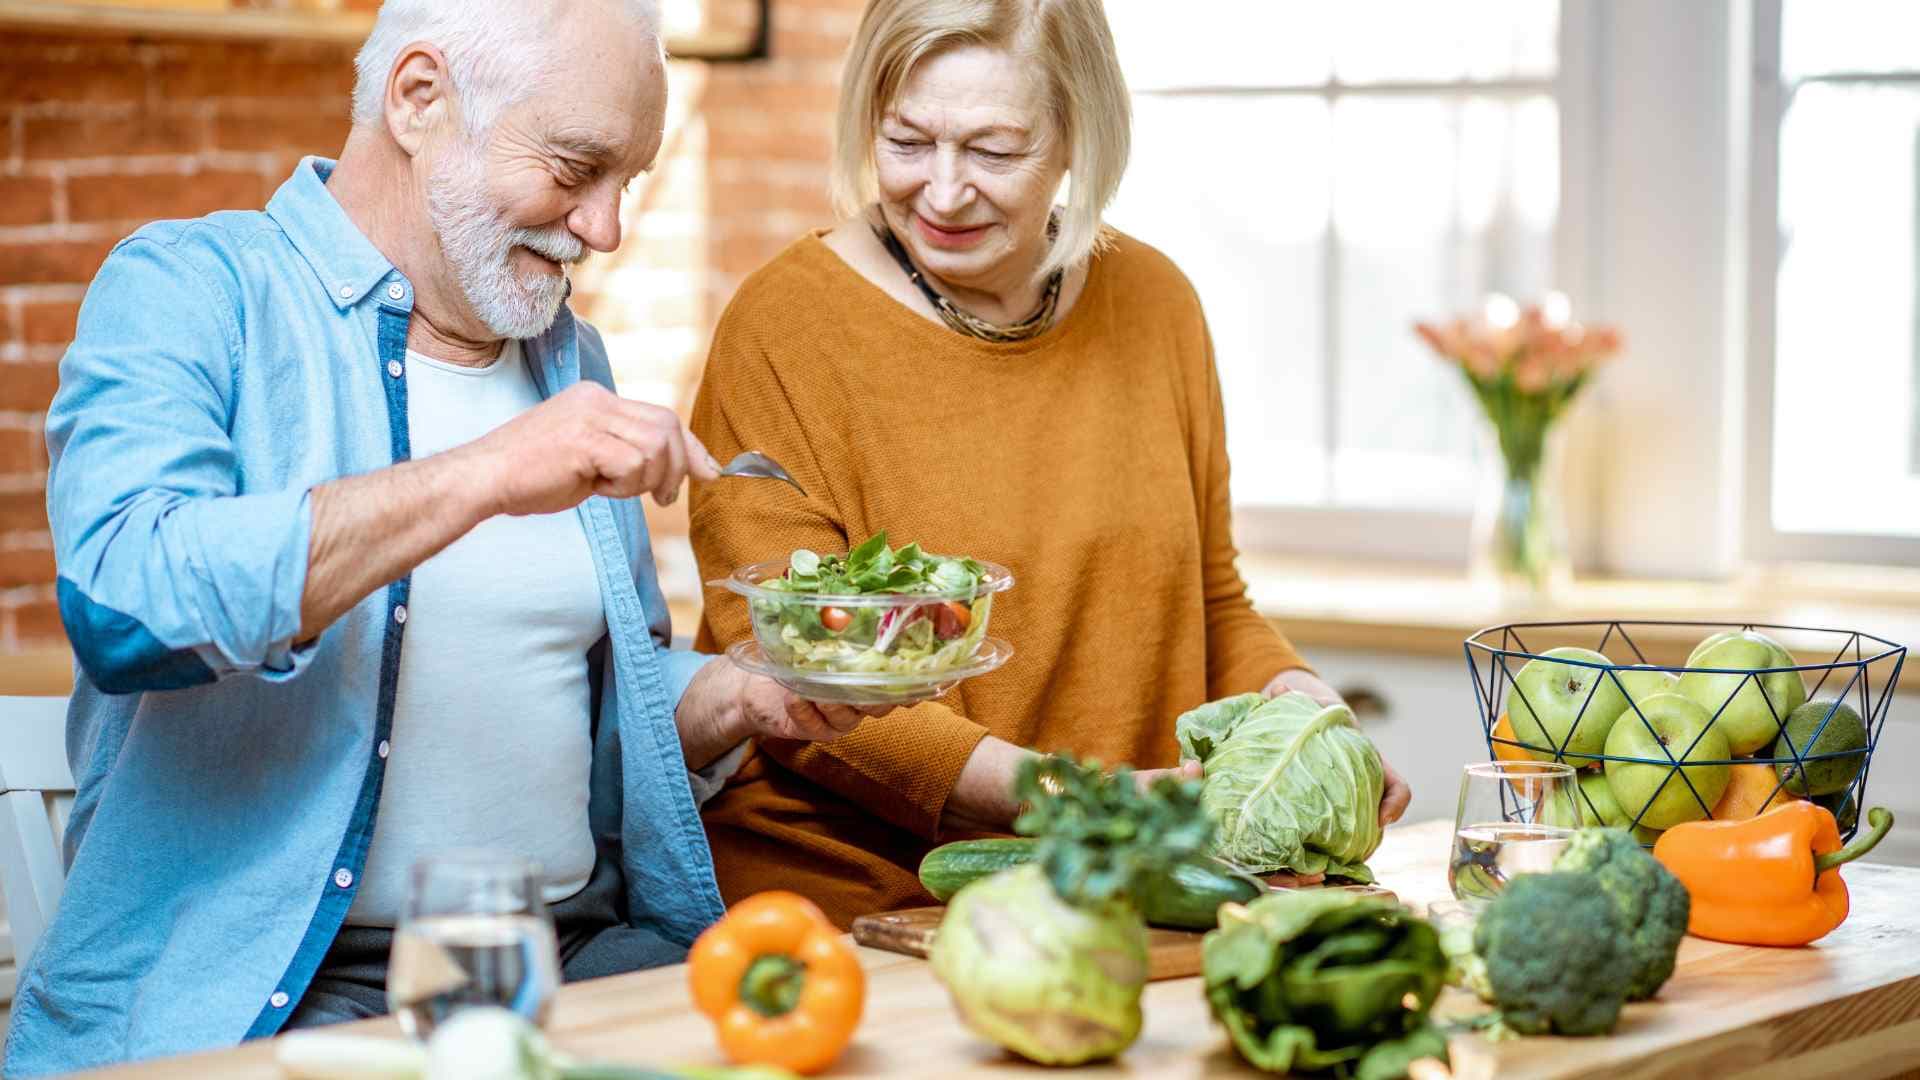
x=1171, y=954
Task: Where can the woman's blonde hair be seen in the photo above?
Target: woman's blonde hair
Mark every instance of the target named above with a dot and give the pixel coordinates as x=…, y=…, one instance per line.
x=1068, y=39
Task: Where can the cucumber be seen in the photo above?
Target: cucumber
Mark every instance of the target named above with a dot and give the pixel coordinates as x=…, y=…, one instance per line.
x=950, y=867
x=1188, y=898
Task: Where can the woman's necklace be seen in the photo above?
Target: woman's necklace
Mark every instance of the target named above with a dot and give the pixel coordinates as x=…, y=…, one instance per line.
x=964, y=322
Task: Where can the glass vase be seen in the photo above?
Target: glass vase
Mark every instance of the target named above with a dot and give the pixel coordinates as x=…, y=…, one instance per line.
x=1519, y=535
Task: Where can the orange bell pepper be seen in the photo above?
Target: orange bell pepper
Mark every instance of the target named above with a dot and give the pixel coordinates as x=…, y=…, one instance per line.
x=1767, y=880
x=780, y=986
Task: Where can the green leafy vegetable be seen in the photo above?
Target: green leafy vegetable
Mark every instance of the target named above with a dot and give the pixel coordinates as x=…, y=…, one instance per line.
x=1048, y=959
x=1100, y=836
x=1326, y=981
x=1188, y=897
x=1293, y=784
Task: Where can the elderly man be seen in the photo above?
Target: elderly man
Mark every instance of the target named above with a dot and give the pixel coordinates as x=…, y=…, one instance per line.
x=352, y=558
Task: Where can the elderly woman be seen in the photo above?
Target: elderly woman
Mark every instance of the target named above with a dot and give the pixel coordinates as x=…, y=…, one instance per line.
x=961, y=363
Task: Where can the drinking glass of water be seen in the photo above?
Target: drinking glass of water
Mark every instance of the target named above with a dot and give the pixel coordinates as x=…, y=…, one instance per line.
x=475, y=932
x=1515, y=817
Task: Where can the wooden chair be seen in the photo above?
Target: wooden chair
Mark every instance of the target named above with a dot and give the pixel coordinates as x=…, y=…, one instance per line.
x=36, y=793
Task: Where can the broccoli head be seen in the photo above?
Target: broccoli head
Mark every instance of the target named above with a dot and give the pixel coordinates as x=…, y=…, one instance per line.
x=1652, y=904
x=1556, y=955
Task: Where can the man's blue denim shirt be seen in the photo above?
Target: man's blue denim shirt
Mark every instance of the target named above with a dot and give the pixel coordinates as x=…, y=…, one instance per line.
x=223, y=367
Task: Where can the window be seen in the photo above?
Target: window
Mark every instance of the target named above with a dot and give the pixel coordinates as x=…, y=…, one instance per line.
x=1835, y=408
x=1324, y=181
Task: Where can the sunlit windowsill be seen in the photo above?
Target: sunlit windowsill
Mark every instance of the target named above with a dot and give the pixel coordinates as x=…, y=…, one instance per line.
x=1430, y=610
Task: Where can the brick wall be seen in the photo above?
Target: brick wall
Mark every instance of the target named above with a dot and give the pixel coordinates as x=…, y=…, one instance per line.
x=98, y=135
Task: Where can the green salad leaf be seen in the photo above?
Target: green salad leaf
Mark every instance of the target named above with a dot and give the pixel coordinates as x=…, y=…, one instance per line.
x=874, y=568
x=1294, y=785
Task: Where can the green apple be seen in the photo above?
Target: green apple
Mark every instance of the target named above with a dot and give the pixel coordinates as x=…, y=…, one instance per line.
x=1596, y=802
x=1711, y=640
x=1564, y=706
x=1675, y=729
x=1643, y=682
x=1758, y=705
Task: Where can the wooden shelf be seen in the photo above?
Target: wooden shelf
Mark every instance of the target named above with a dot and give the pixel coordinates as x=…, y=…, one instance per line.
x=326, y=27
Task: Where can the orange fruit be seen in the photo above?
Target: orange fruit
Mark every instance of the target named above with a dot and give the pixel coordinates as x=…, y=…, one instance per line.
x=1504, y=730
x=1750, y=790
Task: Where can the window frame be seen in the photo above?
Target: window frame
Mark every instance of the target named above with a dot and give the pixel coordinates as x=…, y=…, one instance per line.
x=1421, y=534
x=1769, y=96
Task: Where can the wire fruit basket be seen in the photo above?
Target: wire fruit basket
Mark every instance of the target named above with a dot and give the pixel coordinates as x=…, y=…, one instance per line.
x=1741, y=727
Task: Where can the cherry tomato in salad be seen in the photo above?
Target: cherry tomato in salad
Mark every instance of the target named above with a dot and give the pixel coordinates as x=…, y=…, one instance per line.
x=836, y=619
x=951, y=619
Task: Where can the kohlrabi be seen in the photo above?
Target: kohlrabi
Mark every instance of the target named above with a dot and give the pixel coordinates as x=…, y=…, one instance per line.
x=1048, y=959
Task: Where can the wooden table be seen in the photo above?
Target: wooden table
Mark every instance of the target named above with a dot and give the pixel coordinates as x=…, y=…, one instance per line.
x=1849, y=1007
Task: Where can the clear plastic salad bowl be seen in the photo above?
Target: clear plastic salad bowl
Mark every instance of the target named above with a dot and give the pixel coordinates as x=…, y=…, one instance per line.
x=871, y=648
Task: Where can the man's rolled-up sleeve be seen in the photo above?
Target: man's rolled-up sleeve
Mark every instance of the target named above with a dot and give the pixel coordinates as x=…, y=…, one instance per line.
x=169, y=575
x=678, y=667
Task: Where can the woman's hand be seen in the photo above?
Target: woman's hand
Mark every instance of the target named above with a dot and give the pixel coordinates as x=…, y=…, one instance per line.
x=1302, y=681
x=1395, y=796
x=1146, y=778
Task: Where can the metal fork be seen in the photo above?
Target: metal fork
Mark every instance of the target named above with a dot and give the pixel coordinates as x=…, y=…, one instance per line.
x=757, y=466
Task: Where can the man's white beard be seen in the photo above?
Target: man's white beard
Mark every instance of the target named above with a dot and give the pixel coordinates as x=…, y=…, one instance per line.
x=479, y=242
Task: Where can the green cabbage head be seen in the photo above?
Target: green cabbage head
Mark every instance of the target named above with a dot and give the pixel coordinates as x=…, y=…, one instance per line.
x=1293, y=785
x=1052, y=982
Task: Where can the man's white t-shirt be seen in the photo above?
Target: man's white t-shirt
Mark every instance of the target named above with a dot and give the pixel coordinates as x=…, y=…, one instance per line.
x=491, y=744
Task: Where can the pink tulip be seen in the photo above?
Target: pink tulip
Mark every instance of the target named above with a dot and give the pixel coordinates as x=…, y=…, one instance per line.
x=1432, y=337
x=1482, y=360
x=1538, y=345
x=1531, y=375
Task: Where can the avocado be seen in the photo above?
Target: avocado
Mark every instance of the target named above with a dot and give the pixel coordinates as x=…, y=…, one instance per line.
x=1844, y=732
x=1846, y=814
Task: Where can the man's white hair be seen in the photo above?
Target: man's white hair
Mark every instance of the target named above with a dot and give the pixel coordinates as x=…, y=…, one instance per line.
x=497, y=50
